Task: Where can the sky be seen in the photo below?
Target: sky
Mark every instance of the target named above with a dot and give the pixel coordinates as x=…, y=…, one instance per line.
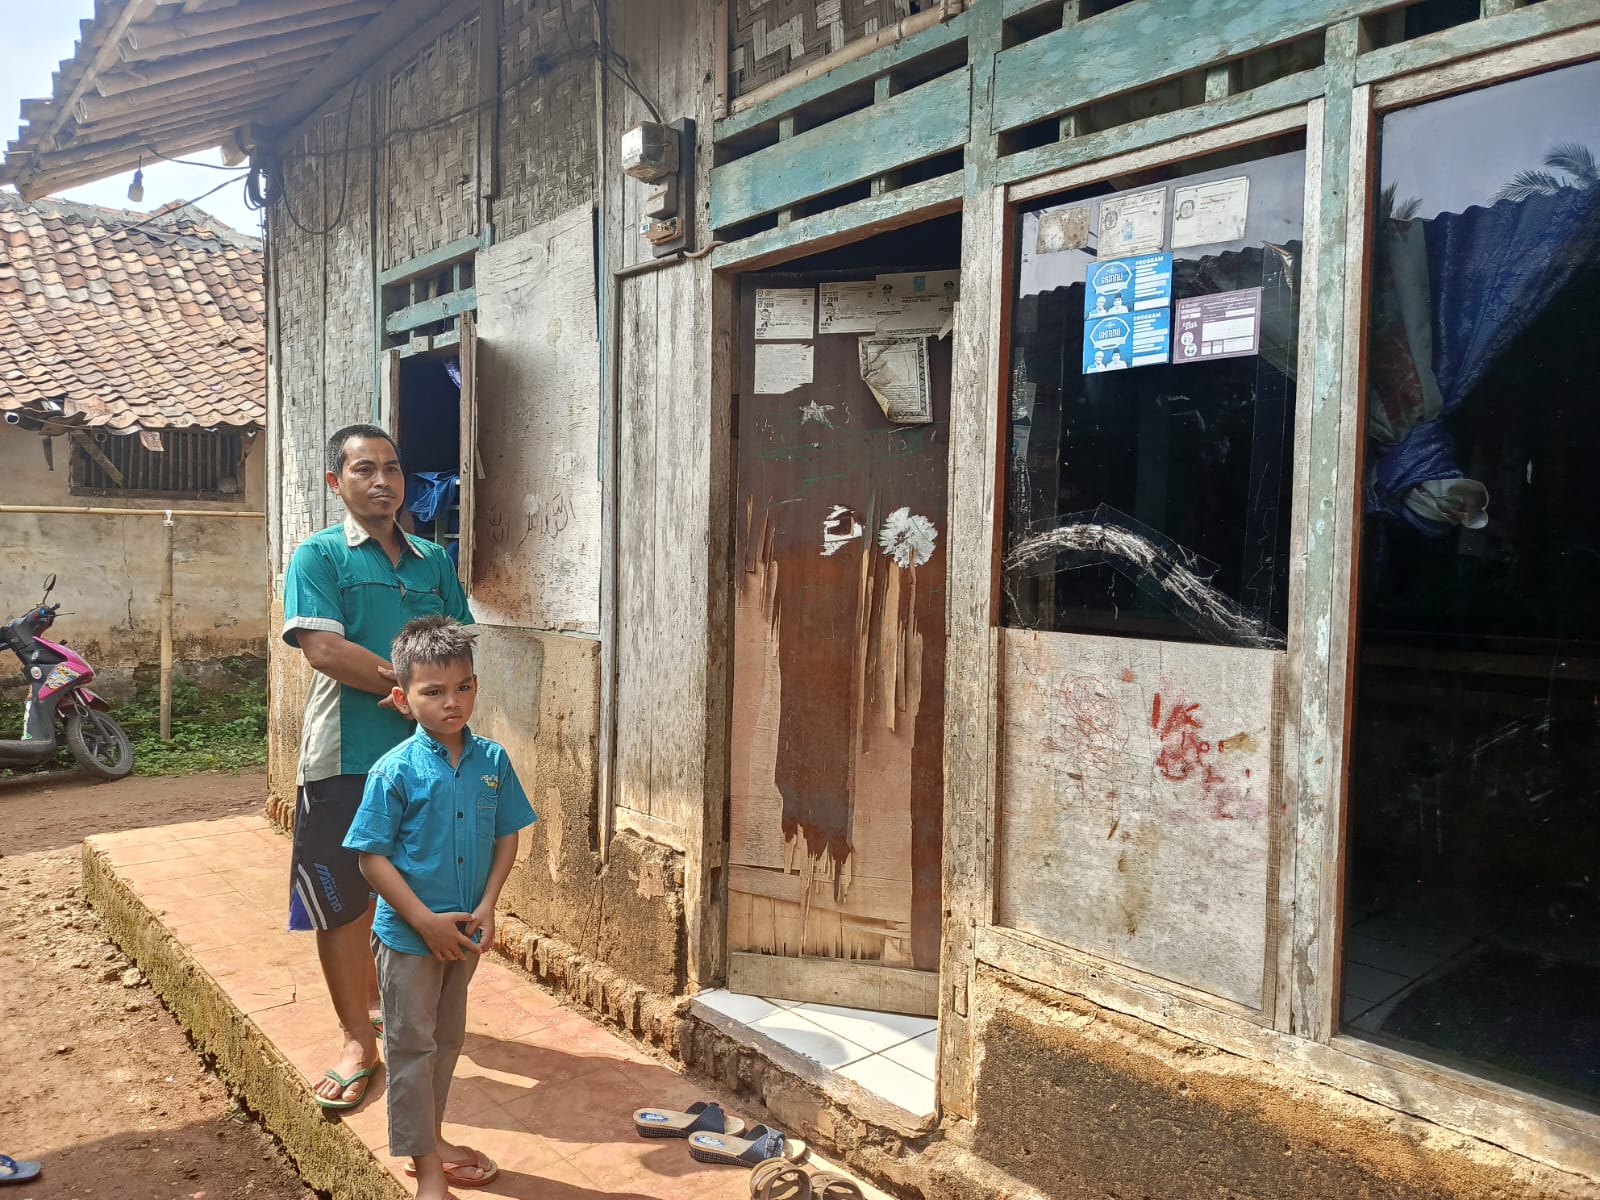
x=36, y=37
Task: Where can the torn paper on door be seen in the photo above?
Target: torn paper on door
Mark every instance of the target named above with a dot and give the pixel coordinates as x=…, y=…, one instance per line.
x=895, y=369
x=782, y=368
x=1207, y=214
x=785, y=314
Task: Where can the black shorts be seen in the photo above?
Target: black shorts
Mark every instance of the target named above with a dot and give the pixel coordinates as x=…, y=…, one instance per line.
x=326, y=887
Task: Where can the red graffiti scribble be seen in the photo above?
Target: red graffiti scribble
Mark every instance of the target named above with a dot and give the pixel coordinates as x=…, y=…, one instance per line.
x=1183, y=752
x=1127, y=676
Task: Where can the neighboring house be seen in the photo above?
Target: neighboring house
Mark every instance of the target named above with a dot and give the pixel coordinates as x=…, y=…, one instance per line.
x=133, y=377
x=1189, y=739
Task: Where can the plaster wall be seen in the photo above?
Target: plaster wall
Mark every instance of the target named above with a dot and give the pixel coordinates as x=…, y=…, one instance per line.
x=1079, y=1101
x=109, y=570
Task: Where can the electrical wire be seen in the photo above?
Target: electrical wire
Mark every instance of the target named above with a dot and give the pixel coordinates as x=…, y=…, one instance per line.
x=165, y=211
x=189, y=162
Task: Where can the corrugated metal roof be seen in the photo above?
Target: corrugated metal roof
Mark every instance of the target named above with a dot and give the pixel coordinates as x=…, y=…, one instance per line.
x=174, y=77
x=115, y=319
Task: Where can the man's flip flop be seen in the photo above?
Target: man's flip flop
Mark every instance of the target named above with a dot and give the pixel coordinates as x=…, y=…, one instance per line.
x=702, y=1116
x=456, y=1174
x=15, y=1171
x=344, y=1086
x=762, y=1144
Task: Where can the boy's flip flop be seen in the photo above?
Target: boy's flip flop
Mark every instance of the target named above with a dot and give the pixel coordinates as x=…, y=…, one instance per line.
x=344, y=1086
x=16, y=1171
x=467, y=1174
x=762, y=1144
x=703, y=1116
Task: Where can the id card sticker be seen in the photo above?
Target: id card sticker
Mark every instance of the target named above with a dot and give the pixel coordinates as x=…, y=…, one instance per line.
x=1133, y=223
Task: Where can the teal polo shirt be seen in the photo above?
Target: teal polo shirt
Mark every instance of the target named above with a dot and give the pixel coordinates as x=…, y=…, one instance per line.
x=437, y=824
x=341, y=581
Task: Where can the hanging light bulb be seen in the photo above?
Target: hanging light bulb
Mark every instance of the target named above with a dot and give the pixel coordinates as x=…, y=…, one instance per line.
x=136, y=188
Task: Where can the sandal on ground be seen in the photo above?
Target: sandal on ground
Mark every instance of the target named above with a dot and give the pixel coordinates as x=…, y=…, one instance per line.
x=825, y=1185
x=14, y=1170
x=762, y=1144
x=479, y=1171
x=703, y=1116
x=779, y=1179
x=345, y=1085
x=377, y=1026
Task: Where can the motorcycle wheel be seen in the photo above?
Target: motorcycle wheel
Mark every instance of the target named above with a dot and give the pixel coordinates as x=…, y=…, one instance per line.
x=99, y=744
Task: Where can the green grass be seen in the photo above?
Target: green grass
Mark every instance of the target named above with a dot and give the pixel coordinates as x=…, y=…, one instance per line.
x=220, y=732
x=224, y=731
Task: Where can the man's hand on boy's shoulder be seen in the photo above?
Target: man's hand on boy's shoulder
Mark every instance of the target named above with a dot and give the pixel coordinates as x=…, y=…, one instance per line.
x=443, y=936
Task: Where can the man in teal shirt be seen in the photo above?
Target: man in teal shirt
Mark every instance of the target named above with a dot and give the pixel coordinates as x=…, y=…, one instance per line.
x=348, y=591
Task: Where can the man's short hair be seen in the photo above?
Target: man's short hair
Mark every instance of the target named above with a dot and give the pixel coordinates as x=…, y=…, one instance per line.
x=432, y=640
x=337, y=441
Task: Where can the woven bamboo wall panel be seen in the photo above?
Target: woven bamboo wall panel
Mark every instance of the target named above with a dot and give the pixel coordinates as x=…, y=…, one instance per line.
x=547, y=148
x=348, y=318
x=430, y=182
x=773, y=37
x=298, y=264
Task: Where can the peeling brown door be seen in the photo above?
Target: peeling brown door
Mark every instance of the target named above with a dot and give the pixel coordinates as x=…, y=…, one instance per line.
x=838, y=715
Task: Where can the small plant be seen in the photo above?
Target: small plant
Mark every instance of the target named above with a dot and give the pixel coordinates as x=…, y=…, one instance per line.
x=220, y=732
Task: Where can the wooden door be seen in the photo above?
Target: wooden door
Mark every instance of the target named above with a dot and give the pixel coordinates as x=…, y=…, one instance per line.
x=838, y=714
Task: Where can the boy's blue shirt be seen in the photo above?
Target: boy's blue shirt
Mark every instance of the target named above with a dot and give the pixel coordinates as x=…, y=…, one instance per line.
x=437, y=825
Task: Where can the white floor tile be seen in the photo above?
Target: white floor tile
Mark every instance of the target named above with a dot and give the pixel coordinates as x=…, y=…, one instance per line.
x=745, y=1009
x=919, y=1054
x=893, y=1082
x=788, y=1028
x=874, y=1030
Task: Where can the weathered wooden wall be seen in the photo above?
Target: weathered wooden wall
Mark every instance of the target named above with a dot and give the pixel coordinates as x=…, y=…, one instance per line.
x=536, y=522
x=673, y=395
x=1138, y=782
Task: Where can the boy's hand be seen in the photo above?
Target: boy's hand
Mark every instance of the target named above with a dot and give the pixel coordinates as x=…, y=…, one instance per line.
x=482, y=925
x=442, y=933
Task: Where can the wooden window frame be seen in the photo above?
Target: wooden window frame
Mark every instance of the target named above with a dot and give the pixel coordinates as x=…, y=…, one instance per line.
x=1298, y=1026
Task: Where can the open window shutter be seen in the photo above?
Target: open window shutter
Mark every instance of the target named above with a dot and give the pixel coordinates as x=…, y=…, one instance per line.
x=471, y=468
x=389, y=393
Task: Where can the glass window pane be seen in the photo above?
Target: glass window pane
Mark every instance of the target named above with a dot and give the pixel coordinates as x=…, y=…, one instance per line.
x=1153, y=501
x=1473, y=899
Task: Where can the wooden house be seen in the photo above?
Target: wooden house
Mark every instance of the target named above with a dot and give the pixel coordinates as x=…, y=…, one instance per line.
x=1063, y=518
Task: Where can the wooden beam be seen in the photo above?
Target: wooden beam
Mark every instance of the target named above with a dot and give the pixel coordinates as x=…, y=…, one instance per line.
x=86, y=443
x=1332, y=496
x=848, y=223
x=204, y=31
x=238, y=56
x=972, y=661
x=1045, y=77
x=132, y=10
x=380, y=36
x=426, y=312
x=838, y=981
x=1476, y=38
x=434, y=260
x=224, y=67
x=69, y=170
x=905, y=129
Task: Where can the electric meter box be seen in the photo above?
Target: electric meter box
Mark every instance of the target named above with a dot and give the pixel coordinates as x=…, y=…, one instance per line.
x=650, y=151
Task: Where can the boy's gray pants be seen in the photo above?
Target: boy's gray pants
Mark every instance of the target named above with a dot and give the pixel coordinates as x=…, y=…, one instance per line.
x=424, y=1024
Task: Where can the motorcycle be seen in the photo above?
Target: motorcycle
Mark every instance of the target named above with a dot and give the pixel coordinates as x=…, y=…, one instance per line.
x=56, y=678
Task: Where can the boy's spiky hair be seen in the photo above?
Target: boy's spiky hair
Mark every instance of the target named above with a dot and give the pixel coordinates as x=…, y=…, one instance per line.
x=432, y=640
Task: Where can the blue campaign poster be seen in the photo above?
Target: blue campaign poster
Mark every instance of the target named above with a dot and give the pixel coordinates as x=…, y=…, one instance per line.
x=1121, y=285
x=1141, y=339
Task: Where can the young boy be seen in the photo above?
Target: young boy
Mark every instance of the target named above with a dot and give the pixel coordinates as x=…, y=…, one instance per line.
x=437, y=834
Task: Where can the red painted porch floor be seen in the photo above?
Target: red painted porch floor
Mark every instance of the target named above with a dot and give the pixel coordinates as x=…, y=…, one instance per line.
x=543, y=1090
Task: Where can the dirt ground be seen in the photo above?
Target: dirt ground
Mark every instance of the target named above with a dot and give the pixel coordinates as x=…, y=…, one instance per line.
x=97, y=1080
